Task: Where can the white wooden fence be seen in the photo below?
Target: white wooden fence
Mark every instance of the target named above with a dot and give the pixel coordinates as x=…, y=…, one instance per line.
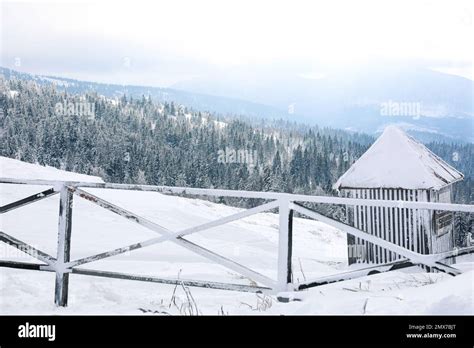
x=286, y=204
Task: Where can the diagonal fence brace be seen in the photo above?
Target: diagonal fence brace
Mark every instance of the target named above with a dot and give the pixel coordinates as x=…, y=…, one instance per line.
x=243, y=270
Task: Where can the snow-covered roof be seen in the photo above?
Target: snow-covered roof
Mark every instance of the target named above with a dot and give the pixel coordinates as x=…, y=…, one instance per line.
x=15, y=169
x=396, y=160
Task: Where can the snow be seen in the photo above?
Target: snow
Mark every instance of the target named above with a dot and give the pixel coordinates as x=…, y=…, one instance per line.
x=218, y=124
x=15, y=169
x=393, y=292
x=13, y=94
x=396, y=160
x=204, y=120
x=112, y=101
x=57, y=82
x=319, y=250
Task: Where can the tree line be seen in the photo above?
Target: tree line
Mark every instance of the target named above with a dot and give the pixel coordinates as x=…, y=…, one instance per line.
x=135, y=140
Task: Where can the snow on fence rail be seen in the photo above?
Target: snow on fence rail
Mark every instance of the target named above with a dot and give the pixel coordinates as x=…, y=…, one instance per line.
x=285, y=202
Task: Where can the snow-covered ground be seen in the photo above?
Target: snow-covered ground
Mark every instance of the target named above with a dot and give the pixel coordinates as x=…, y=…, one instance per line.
x=318, y=250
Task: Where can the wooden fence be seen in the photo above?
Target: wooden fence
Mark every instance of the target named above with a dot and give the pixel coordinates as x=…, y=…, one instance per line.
x=286, y=204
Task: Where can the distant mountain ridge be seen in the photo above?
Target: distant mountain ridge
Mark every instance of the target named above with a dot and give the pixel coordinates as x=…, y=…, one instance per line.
x=364, y=99
x=198, y=101
x=352, y=101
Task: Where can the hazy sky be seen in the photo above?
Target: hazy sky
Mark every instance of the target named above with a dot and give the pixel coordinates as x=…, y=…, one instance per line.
x=160, y=42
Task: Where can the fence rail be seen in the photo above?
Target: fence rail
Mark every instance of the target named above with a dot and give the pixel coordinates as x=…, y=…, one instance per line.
x=286, y=203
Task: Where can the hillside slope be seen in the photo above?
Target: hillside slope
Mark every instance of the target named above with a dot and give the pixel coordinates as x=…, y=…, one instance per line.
x=318, y=250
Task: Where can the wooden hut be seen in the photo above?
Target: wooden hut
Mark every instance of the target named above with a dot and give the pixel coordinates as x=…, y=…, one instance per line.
x=397, y=167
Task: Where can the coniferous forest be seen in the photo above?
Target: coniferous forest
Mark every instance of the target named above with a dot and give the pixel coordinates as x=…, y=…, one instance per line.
x=137, y=140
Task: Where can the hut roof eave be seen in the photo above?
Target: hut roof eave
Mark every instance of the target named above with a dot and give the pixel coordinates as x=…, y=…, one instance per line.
x=396, y=160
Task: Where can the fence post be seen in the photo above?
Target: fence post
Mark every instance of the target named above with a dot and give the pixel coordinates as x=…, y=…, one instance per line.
x=285, y=245
x=64, y=246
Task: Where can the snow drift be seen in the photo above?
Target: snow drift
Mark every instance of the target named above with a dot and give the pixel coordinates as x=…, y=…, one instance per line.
x=319, y=250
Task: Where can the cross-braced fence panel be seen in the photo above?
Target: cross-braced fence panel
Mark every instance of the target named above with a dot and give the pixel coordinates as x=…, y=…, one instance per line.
x=287, y=204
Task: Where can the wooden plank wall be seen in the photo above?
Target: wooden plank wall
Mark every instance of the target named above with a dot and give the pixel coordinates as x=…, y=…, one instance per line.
x=410, y=228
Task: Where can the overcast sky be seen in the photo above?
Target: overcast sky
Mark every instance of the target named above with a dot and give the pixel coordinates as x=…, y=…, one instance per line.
x=161, y=42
